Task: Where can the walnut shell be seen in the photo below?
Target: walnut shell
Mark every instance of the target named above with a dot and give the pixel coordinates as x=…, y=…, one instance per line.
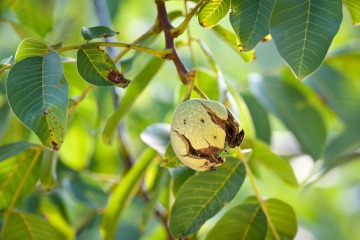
x=200, y=130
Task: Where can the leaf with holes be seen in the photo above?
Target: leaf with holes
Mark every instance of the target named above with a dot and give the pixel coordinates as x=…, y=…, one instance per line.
x=38, y=95
x=303, y=31
x=97, y=32
x=250, y=21
x=203, y=195
x=211, y=12
x=19, y=225
x=354, y=8
x=96, y=67
x=30, y=47
x=245, y=221
x=18, y=173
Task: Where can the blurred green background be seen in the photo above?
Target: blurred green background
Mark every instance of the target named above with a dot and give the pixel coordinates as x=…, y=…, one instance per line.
x=327, y=206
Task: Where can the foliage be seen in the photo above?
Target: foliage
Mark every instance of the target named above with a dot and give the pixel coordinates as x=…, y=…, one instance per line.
x=84, y=133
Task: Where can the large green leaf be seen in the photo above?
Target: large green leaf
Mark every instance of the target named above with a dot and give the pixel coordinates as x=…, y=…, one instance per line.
x=354, y=8
x=26, y=226
x=283, y=217
x=285, y=99
x=140, y=82
x=303, y=31
x=35, y=14
x=250, y=21
x=203, y=195
x=264, y=156
x=18, y=174
x=97, y=32
x=38, y=95
x=230, y=38
x=96, y=67
x=211, y=12
x=31, y=47
x=246, y=221
x=123, y=194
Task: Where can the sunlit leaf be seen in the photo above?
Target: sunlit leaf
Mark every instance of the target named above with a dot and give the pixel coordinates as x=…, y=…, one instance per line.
x=96, y=67
x=284, y=98
x=170, y=159
x=35, y=14
x=140, y=82
x=211, y=12
x=264, y=156
x=354, y=8
x=123, y=194
x=230, y=38
x=283, y=217
x=250, y=21
x=38, y=95
x=203, y=195
x=97, y=32
x=157, y=136
x=5, y=61
x=31, y=47
x=246, y=221
x=29, y=227
x=303, y=31
x=18, y=174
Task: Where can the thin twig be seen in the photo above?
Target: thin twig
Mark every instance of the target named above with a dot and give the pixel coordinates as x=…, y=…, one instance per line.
x=79, y=99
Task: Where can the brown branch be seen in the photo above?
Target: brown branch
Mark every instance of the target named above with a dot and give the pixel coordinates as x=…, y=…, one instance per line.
x=185, y=76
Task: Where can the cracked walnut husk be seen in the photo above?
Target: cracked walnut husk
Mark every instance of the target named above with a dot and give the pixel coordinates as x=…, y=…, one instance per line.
x=200, y=131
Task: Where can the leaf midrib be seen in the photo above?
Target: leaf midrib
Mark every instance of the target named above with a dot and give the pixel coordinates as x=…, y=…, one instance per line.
x=305, y=38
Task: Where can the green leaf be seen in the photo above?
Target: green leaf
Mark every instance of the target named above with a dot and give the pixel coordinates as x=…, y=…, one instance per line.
x=339, y=92
x=230, y=38
x=140, y=82
x=29, y=227
x=354, y=8
x=123, y=194
x=13, y=149
x=35, y=14
x=286, y=100
x=283, y=217
x=211, y=12
x=96, y=67
x=179, y=176
x=38, y=95
x=31, y=47
x=170, y=159
x=157, y=136
x=18, y=174
x=264, y=156
x=97, y=32
x=203, y=195
x=85, y=190
x=246, y=221
x=259, y=116
x=250, y=21
x=305, y=35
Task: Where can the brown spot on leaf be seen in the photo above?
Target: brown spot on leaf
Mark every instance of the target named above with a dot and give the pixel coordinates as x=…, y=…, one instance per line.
x=54, y=146
x=116, y=77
